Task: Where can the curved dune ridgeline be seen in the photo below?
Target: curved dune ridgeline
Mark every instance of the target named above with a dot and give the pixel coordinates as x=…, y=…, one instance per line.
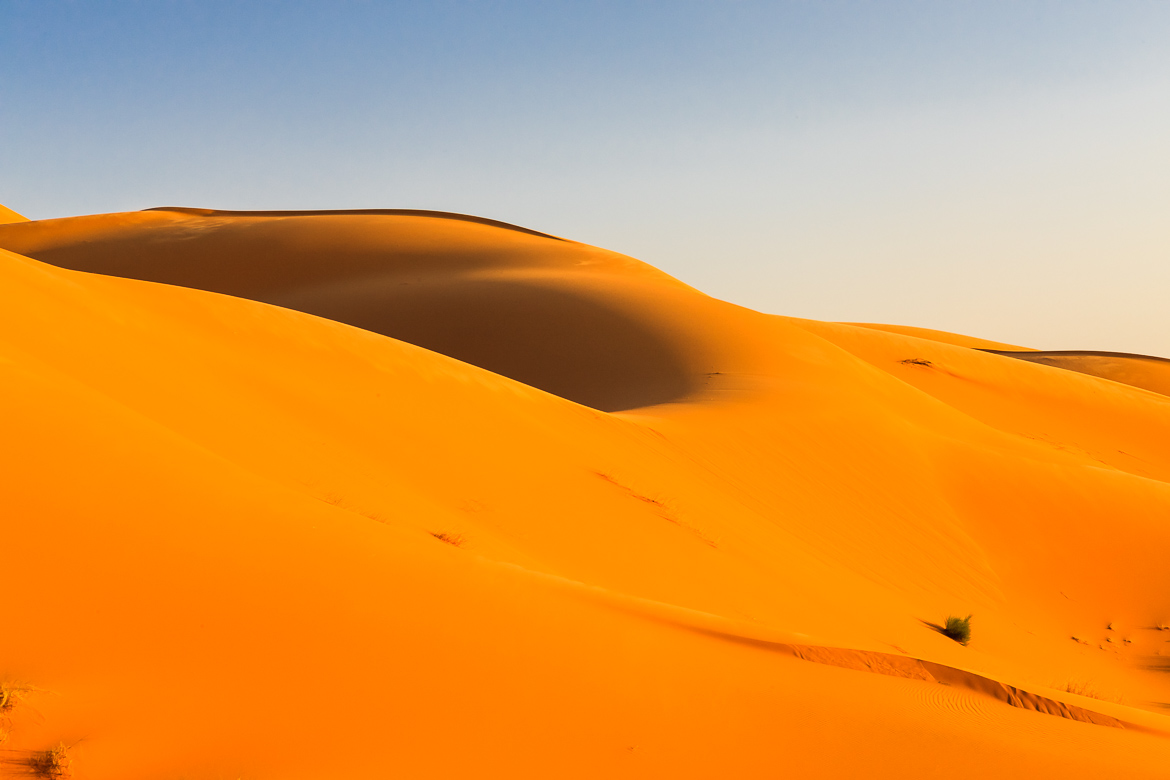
x=448, y=215
x=364, y=494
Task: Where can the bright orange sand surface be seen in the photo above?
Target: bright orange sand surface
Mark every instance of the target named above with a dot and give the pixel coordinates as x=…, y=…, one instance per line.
x=417, y=495
x=8, y=215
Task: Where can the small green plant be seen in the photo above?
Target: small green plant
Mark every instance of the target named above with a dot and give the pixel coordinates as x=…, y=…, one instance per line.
x=958, y=629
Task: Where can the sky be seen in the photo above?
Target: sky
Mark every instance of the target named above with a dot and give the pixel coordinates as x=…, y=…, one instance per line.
x=1000, y=169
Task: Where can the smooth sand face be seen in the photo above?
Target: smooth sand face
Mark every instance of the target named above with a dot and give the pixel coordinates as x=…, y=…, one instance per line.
x=221, y=519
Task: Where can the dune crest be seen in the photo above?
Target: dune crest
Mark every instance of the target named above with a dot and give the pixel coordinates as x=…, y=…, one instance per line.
x=940, y=336
x=1144, y=371
x=8, y=215
x=358, y=213
x=361, y=495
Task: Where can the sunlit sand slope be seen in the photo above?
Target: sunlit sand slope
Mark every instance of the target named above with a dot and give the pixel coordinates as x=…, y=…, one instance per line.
x=8, y=215
x=243, y=540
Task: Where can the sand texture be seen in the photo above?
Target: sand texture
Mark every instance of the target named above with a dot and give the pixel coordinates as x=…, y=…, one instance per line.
x=411, y=494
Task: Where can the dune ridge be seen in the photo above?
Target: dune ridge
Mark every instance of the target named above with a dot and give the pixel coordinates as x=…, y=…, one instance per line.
x=229, y=470
x=357, y=213
x=1144, y=371
x=8, y=215
x=941, y=336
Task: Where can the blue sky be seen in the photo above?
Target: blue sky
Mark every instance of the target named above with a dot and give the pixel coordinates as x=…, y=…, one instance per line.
x=995, y=168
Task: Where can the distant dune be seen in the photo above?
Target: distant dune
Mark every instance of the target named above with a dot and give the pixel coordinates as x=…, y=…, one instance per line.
x=941, y=336
x=1144, y=371
x=415, y=494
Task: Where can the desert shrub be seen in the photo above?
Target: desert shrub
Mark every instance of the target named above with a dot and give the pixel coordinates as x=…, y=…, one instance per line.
x=11, y=694
x=958, y=629
x=1084, y=688
x=52, y=763
x=455, y=539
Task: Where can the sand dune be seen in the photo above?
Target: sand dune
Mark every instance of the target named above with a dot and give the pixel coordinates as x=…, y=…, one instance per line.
x=484, y=292
x=1144, y=371
x=941, y=336
x=588, y=523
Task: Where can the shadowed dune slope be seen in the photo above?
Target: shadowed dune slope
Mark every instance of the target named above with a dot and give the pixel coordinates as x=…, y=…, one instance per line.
x=1144, y=371
x=246, y=540
x=554, y=314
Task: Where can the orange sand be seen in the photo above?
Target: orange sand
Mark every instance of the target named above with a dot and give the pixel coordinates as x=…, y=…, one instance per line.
x=690, y=540
x=8, y=215
x=1144, y=371
x=940, y=335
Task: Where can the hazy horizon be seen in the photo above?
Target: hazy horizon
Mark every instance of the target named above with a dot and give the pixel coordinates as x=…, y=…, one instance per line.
x=995, y=169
